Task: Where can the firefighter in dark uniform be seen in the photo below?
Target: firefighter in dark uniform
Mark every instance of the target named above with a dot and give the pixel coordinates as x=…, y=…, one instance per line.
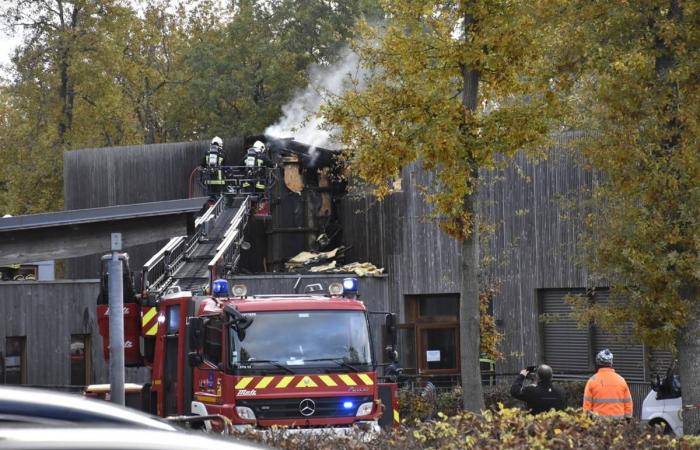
x=255, y=161
x=212, y=162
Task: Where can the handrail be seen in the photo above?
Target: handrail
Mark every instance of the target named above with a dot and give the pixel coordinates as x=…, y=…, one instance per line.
x=213, y=211
x=225, y=251
x=161, y=266
x=155, y=269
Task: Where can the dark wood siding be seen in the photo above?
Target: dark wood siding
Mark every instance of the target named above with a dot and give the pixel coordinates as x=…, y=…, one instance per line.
x=47, y=313
x=398, y=235
x=533, y=210
x=97, y=177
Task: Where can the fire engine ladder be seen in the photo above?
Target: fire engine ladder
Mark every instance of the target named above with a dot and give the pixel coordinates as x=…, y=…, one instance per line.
x=192, y=262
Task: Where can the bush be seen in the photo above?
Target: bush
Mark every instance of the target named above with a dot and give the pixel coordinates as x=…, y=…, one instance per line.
x=502, y=428
x=412, y=405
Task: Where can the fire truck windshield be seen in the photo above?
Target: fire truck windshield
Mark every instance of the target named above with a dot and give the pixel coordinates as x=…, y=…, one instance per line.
x=297, y=339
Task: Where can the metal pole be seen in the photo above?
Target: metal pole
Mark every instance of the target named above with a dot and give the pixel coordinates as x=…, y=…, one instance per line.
x=116, y=323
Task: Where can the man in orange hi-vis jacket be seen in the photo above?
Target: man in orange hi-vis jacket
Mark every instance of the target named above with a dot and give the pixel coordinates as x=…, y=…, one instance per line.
x=607, y=394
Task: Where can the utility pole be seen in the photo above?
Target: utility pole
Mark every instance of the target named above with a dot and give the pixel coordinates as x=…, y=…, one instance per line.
x=116, y=323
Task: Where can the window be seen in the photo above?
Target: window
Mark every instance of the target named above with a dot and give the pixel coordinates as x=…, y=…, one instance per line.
x=429, y=340
x=80, y=360
x=16, y=360
x=212, y=340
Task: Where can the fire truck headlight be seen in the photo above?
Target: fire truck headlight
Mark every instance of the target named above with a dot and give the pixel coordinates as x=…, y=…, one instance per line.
x=335, y=289
x=245, y=413
x=239, y=290
x=365, y=409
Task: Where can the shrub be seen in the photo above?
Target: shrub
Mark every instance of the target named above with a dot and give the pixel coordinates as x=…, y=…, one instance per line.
x=501, y=428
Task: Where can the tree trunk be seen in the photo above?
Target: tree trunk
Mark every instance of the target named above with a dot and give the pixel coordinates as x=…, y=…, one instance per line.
x=689, y=366
x=472, y=395
x=688, y=341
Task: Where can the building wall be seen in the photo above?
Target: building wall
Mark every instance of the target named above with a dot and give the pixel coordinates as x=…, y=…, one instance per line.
x=97, y=177
x=532, y=209
x=47, y=314
x=535, y=209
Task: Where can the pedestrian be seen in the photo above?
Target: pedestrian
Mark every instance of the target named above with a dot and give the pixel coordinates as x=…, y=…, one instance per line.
x=543, y=395
x=607, y=393
x=212, y=162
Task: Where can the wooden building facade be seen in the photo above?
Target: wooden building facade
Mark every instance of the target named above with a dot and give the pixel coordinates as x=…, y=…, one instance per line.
x=532, y=257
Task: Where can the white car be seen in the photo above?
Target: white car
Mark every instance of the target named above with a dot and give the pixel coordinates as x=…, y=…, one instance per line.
x=91, y=437
x=663, y=405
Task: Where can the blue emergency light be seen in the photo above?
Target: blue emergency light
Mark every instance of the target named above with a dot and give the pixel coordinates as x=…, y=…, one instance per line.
x=220, y=288
x=350, y=286
x=347, y=405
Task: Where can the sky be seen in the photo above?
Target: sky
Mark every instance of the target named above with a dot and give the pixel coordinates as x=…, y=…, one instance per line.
x=7, y=44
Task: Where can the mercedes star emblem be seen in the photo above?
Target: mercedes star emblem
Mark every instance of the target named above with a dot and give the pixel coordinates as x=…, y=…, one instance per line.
x=307, y=407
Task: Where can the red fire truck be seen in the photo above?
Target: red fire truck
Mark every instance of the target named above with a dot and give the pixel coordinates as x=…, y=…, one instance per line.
x=303, y=361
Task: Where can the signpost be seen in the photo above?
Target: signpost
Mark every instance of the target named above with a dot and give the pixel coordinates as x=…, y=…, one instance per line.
x=116, y=323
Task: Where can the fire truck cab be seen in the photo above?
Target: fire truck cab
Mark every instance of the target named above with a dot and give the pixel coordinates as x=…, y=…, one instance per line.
x=303, y=361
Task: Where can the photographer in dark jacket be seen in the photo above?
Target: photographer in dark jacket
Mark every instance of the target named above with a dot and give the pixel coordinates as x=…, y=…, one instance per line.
x=542, y=396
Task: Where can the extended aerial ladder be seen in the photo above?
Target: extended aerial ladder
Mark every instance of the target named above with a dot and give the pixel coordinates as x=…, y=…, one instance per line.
x=212, y=250
x=193, y=262
x=188, y=263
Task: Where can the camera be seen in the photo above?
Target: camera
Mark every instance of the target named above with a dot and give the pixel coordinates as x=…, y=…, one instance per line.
x=531, y=368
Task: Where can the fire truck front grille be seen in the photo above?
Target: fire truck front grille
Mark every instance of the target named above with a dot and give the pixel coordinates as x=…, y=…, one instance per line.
x=291, y=408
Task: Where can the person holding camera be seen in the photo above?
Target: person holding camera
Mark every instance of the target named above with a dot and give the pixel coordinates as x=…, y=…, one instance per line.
x=541, y=396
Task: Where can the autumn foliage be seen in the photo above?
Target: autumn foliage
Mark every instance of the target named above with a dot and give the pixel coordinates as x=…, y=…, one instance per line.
x=503, y=428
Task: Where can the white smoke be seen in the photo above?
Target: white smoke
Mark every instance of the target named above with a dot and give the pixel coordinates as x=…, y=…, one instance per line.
x=300, y=118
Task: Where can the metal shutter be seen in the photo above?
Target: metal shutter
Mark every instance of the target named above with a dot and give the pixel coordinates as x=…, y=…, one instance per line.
x=566, y=347
x=659, y=362
x=627, y=350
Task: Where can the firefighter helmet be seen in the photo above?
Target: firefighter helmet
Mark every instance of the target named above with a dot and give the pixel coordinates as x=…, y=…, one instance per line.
x=604, y=358
x=218, y=142
x=259, y=146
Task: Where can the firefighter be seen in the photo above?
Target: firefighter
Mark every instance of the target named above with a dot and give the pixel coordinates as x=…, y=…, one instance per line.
x=256, y=159
x=212, y=162
x=606, y=393
x=542, y=396
x=393, y=371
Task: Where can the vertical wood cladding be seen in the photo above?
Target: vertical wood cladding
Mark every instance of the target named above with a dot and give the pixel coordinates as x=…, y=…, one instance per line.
x=47, y=314
x=532, y=209
x=98, y=177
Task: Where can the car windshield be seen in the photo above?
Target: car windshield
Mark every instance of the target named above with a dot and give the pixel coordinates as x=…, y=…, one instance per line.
x=299, y=338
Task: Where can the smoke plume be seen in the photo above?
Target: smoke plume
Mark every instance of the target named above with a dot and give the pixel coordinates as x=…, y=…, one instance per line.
x=300, y=116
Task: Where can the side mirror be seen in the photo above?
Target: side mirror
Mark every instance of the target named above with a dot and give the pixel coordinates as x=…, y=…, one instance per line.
x=195, y=359
x=241, y=334
x=239, y=322
x=195, y=326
